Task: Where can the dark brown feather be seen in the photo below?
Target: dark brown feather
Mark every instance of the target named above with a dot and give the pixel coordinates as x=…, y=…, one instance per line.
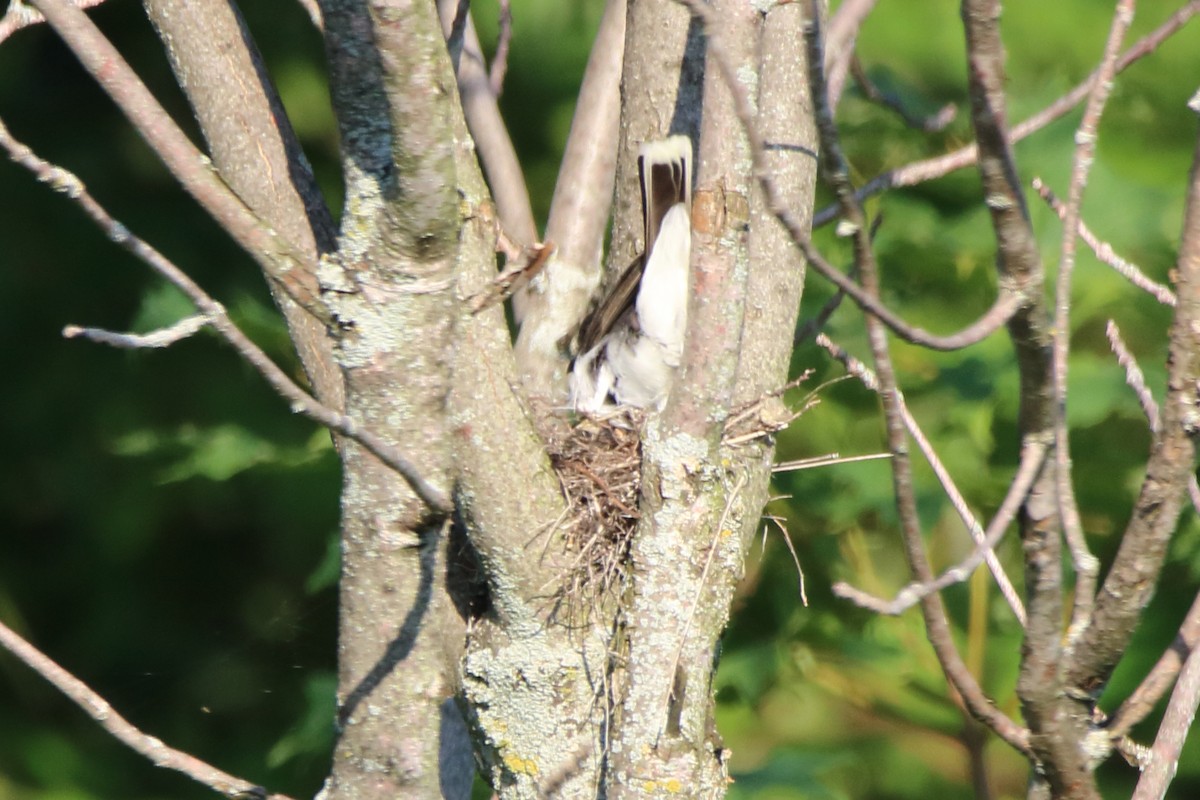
x=614, y=305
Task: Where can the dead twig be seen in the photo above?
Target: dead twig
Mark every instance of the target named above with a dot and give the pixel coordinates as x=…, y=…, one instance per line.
x=20, y=15
x=930, y=124
x=1087, y=566
x=1104, y=251
x=164, y=337
x=125, y=732
x=214, y=314
x=939, y=166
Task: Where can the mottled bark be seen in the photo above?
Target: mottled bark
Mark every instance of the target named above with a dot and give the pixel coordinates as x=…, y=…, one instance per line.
x=400, y=637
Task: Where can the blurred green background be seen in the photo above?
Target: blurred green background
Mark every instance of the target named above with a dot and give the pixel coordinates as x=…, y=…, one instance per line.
x=167, y=528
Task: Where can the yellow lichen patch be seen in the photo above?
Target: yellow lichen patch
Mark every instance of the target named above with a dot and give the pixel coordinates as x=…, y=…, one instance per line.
x=521, y=766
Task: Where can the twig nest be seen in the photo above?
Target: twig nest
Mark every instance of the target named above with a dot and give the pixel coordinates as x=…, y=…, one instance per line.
x=598, y=462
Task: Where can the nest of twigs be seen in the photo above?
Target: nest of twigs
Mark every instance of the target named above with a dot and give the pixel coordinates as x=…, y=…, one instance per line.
x=598, y=462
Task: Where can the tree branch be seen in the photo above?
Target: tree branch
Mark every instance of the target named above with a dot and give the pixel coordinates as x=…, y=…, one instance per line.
x=844, y=26
x=63, y=181
x=1000, y=522
x=255, y=150
x=1146, y=696
x=492, y=142
x=1130, y=584
x=1172, y=733
x=835, y=171
x=281, y=260
x=1054, y=726
x=554, y=303
x=1135, y=380
x=1104, y=251
x=1086, y=565
x=932, y=168
x=145, y=745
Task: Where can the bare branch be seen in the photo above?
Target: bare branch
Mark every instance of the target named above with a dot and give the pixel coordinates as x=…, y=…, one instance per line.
x=1086, y=565
x=300, y=401
x=932, y=168
x=864, y=374
x=1172, y=733
x=99, y=709
x=933, y=611
x=255, y=150
x=164, y=337
x=1056, y=724
x=1130, y=583
x=930, y=124
x=500, y=60
x=1137, y=381
x=292, y=269
x=1027, y=471
x=19, y=15
x=551, y=308
x=825, y=461
x=1143, y=700
x=1105, y=253
x=1133, y=374
x=839, y=44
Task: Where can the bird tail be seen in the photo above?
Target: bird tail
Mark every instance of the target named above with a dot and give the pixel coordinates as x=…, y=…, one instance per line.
x=665, y=168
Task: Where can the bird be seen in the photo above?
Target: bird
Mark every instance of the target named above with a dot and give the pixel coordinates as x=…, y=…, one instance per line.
x=631, y=344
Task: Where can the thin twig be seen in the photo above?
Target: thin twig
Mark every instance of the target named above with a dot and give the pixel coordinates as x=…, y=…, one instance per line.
x=825, y=461
x=791, y=549
x=1137, y=381
x=1172, y=733
x=937, y=627
x=1134, y=377
x=19, y=15
x=1087, y=566
x=1146, y=696
x=300, y=401
x=99, y=709
x=1027, y=471
x=1104, y=251
x=844, y=25
x=938, y=166
x=164, y=337
x=930, y=124
x=978, y=535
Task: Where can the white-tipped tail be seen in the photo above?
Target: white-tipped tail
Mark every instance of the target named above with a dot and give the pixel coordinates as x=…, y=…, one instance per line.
x=634, y=362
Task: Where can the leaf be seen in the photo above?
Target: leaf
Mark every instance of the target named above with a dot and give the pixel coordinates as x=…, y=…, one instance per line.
x=313, y=732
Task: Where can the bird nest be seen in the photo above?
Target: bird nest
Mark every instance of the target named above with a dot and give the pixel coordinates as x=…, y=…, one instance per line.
x=598, y=463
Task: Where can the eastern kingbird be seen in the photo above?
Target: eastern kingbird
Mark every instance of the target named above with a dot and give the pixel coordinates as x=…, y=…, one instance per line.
x=631, y=344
